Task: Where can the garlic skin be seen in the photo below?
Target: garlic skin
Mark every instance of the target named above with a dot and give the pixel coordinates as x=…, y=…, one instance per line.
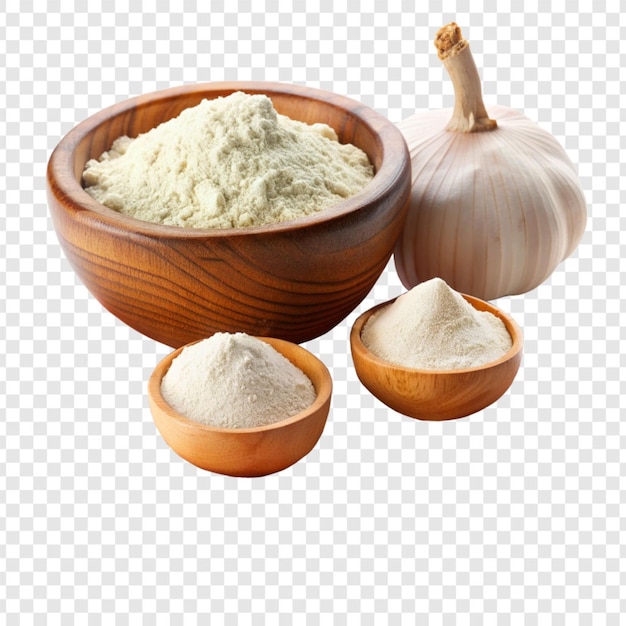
x=496, y=204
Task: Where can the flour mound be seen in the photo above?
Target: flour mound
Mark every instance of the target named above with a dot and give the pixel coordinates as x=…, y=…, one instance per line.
x=227, y=163
x=235, y=381
x=434, y=327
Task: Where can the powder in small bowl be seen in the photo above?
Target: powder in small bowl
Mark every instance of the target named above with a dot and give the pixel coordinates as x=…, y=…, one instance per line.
x=433, y=327
x=234, y=380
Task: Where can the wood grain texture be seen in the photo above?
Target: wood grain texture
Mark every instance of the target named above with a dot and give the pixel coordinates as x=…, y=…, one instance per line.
x=437, y=394
x=246, y=451
x=294, y=280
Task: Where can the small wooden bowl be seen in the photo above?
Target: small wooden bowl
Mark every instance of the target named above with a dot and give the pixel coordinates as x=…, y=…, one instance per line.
x=437, y=394
x=293, y=280
x=246, y=451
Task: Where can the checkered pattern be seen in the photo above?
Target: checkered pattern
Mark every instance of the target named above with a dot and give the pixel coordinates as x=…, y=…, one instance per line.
x=512, y=516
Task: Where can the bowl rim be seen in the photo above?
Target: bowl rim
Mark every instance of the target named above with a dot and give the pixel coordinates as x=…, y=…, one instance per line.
x=322, y=397
x=511, y=325
x=62, y=182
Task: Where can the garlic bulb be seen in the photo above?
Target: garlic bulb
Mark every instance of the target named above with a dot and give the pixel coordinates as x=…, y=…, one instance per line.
x=496, y=203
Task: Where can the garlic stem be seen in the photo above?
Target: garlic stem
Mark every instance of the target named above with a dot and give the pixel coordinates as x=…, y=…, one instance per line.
x=469, y=114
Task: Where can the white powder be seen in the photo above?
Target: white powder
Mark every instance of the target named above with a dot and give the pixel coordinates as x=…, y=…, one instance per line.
x=434, y=327
x=235, y=381
x=226, y=163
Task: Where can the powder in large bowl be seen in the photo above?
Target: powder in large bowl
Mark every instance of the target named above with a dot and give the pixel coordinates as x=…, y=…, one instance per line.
x=230, y=162
x=234, y=380
x=433, y=327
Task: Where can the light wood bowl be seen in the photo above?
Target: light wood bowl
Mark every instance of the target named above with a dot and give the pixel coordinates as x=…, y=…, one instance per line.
x=294, y=280
x=437, y=394
x=246, y=451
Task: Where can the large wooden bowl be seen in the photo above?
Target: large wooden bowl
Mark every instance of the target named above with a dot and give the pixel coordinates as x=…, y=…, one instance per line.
x=437, y=394
x=295, y=280
x=246, y=451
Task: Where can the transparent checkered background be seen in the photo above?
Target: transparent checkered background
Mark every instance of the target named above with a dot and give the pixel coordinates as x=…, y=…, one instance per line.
x=515, y=515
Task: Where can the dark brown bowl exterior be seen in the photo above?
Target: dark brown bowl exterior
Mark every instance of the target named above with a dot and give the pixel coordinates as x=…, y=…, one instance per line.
x=246, y=452
x=437, y=395
x=294, y=280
